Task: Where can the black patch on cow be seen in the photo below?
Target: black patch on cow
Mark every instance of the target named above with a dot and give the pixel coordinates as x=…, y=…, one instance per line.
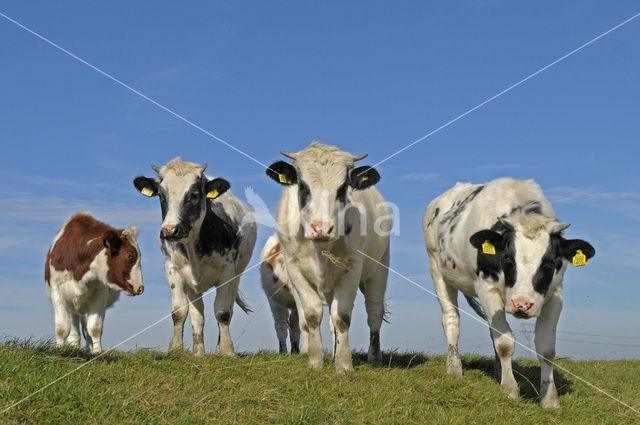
x=549, y=264
x=218, y=233
x=533, y=207
x=223, y=317
x=304, y=193
x=341, y=193
x=460, y=206
x=501, y=236
x=285, y=169
x=347, y=228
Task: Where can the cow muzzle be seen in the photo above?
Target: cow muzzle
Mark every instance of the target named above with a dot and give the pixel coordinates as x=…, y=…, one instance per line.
x=522, y=308
x=322, y=231
x=173, y=233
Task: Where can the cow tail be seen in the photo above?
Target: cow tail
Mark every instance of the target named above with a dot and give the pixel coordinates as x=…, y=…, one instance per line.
x=385, y=312
x=475, y=305
x=243, y=304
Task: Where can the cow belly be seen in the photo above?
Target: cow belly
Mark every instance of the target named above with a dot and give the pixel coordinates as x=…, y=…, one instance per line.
x=458, y=278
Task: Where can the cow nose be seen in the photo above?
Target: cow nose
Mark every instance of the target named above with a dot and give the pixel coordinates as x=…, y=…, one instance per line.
x=522, y=305
x=322, y=230
x=167, y=231
x=140, y=290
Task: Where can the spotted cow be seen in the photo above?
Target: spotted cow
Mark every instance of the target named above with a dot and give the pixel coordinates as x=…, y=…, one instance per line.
x=502, y=243
x=207, y=237
x=88, y=265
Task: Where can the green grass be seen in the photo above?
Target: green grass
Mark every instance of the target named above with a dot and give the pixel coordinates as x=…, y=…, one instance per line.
x=177, y=388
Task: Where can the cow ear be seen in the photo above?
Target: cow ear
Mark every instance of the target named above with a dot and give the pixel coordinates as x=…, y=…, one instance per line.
x=216, y=187
x=364, y=177
x=283, y=173
x=478, y=239
x=112, y=241
x=146, y=186
x=570, y=247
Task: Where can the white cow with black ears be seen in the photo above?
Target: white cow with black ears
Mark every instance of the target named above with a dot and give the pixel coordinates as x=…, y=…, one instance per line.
x=207, y=237
x=501, y=242
x=328, y=211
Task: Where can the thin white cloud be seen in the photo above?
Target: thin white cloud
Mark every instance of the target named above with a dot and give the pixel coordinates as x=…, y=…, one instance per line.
x=29, y=208
x=588, y=195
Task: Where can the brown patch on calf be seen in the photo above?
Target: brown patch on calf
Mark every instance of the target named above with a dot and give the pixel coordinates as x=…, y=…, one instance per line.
x=312, y=319
x=273, y=255
x=82, y=239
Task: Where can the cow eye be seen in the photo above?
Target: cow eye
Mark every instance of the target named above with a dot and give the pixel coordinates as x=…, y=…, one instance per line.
x=132, y=257
x=194, y=196
x=508, y=259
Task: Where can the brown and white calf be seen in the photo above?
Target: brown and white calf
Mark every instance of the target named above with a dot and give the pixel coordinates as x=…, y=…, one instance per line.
x=88, y=265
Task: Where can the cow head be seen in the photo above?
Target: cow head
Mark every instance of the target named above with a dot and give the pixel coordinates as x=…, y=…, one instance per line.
x=124, y=270
x=530, y=253
x=324, y=178
x=183, y=190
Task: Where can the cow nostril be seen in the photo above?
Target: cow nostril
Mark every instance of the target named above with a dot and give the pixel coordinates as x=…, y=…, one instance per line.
x=140, y=290
x=331, y=229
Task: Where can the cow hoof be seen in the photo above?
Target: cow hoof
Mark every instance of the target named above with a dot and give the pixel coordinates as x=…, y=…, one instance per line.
x=344, y=368
x=510, y=391
x=198, y=352
x=550, y=400
x=454, y=366
x=375, y=359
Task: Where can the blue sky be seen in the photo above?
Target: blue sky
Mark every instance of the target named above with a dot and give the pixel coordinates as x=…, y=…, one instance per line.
x=369, y=78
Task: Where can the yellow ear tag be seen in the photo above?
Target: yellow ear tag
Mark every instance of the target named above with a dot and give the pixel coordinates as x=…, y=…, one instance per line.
x=283, y=179
x=488, y=248
x=365, y=178
x=213, y=194
x=107, y=243
x=147, y=191
x=579, y=259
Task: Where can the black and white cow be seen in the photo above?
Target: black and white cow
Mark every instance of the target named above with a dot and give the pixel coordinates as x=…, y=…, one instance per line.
x=501, y=242
x=207, y=237
x=329, y=210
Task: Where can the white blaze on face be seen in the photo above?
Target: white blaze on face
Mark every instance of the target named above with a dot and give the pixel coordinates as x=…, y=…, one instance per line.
x=173, y=190
x=528, y=258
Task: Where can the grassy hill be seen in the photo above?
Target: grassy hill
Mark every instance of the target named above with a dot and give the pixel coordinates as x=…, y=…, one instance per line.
x=158, y=388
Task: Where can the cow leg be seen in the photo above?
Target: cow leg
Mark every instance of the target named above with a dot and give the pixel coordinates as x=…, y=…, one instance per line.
x=294, y=331
x=341, y=307
x=95, y=319
x=311, y=305
x=223, y=310
x=61, y=315
x=281, y=323
x=503, y=340
x=304, y=329
x=448, y=298
x=74, y=333
x=196, y=312
x=179, y=305
x=374, y=289
x=545, y=341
